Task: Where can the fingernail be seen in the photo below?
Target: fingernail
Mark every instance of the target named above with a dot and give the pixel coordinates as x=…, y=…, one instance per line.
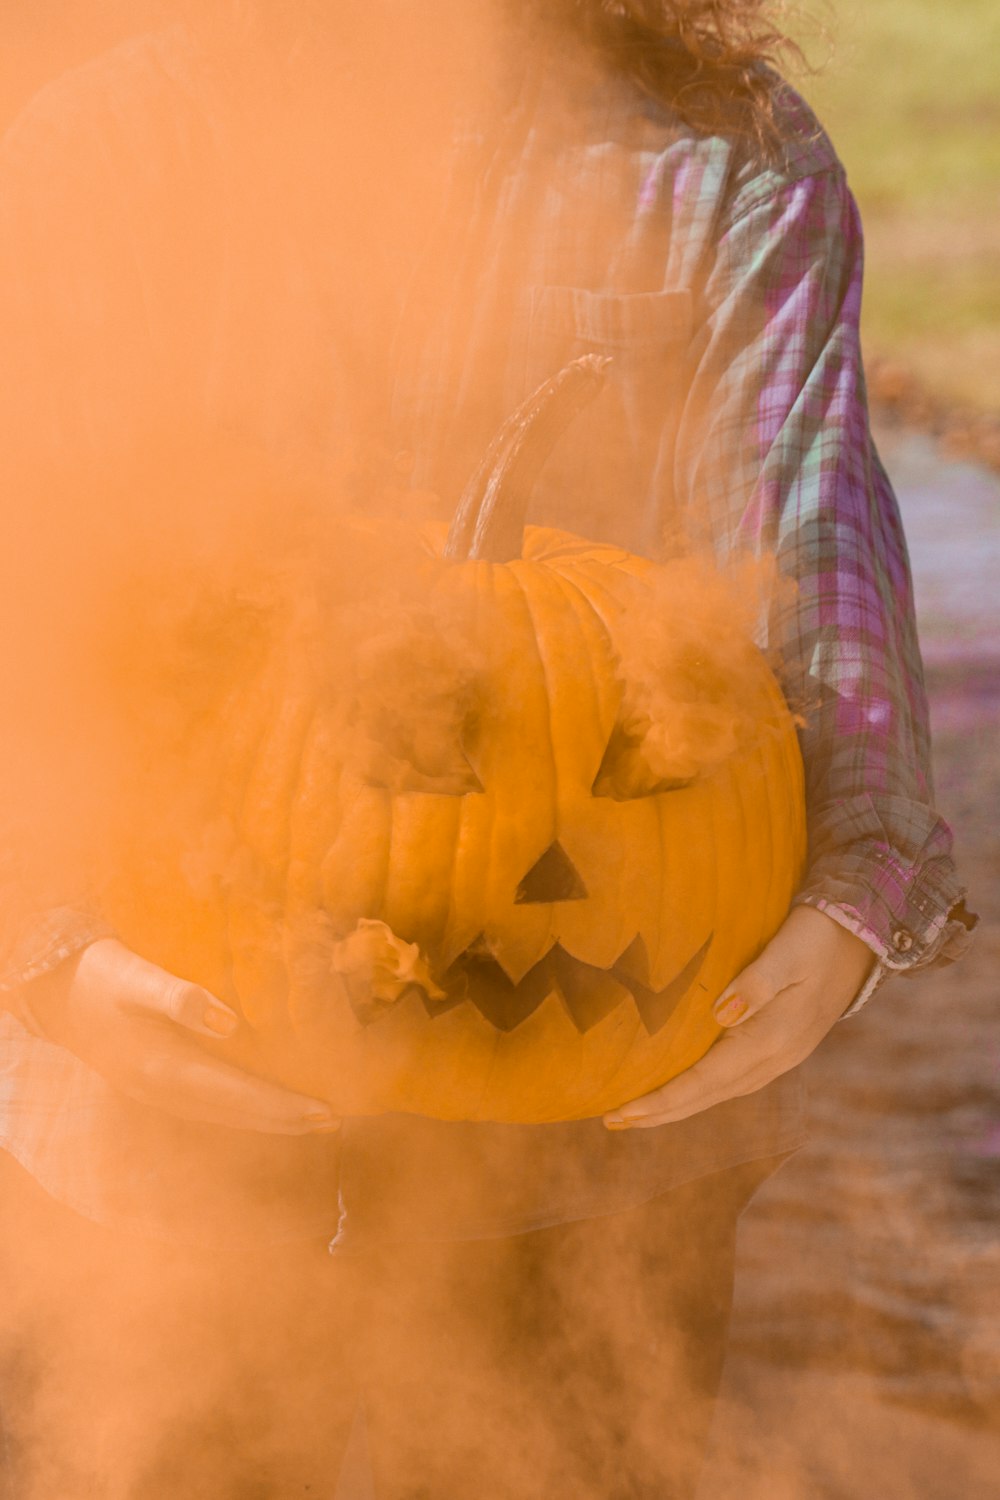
x=323, y=1122
x=729, y=1011
x=223, y=1022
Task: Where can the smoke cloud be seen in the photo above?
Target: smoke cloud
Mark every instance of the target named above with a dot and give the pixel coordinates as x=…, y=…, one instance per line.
x=207, y=238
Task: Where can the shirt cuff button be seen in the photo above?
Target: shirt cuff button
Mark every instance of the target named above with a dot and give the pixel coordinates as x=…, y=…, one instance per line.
x=902, y=940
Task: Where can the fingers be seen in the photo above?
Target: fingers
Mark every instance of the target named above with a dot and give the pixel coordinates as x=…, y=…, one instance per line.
x=137, y=1025
x=809, y=949
x=173, y=1074
x=746, y=1057
x=154, y=992
x=774, y=1014
x=740, y=1063
x=752, y=989
x=195, y=1008
x=785, y=961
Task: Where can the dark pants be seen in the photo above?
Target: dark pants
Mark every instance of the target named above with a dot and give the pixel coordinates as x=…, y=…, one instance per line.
x=580, y=1360
x=576, y=1361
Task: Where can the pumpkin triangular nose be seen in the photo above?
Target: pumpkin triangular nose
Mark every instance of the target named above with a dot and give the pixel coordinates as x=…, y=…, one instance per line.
x=554, y=877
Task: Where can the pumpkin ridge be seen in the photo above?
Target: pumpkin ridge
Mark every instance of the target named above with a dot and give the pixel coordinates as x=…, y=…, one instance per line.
x=746, y=812
x=593, y=587
x=714, y=878
x=421, y=845
x=679, y=831
x=472, y=854
x=360, y=841
x=729, y=881
x=543, y=616
x=558, y=548
x=479, y=1109
x=664, y=865
x=515, y=590
x=469, y=810
x=601, y=698
x=611, y=588
x=596, y=1101
x=767, y=905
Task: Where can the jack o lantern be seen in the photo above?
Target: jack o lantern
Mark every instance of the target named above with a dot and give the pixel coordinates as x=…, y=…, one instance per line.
x=530, y=921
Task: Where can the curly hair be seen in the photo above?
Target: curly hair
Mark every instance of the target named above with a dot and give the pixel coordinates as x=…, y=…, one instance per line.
x=707, y=59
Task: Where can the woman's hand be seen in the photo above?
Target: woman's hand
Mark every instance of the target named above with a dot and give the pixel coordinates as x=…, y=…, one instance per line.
x=775, y=1013
x=139, y=1026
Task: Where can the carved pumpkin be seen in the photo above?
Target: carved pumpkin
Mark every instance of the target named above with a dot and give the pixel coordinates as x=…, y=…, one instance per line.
x=530, y=924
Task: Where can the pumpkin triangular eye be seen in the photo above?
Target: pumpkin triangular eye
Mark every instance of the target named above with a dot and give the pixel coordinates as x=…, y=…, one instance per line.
x=625, y=773
x=554, y=877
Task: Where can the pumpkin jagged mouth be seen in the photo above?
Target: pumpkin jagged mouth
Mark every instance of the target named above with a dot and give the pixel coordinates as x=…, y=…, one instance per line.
x=588, y=993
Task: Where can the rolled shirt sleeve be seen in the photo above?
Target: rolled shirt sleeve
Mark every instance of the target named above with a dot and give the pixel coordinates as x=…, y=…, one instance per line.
x=775, y=438
x=43, y=941
x=47, y=938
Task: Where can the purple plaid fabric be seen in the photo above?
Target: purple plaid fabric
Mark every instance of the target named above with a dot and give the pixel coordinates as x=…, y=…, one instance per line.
x=728, y=292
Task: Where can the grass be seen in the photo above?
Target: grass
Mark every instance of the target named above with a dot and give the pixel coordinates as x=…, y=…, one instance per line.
x=910, y=92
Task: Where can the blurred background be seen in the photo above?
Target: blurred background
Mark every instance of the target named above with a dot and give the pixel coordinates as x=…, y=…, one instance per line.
x=910, y=92
x=866, y=1356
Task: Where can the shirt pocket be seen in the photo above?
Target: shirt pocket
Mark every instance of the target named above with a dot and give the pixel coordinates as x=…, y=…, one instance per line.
x=610, y=475
x=634, y=325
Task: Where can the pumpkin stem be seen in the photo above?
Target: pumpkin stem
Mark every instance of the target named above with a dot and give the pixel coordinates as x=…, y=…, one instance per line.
x=489, y=522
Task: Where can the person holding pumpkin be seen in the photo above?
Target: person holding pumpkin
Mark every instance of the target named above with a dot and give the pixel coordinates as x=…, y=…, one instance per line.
x=638, y=182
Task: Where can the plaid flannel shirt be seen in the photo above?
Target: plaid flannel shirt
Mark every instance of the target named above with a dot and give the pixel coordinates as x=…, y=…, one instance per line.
x=729, y=293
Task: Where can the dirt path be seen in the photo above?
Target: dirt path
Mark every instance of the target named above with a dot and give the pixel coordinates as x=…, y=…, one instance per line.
x=865, y=1360
x=866, y=1348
